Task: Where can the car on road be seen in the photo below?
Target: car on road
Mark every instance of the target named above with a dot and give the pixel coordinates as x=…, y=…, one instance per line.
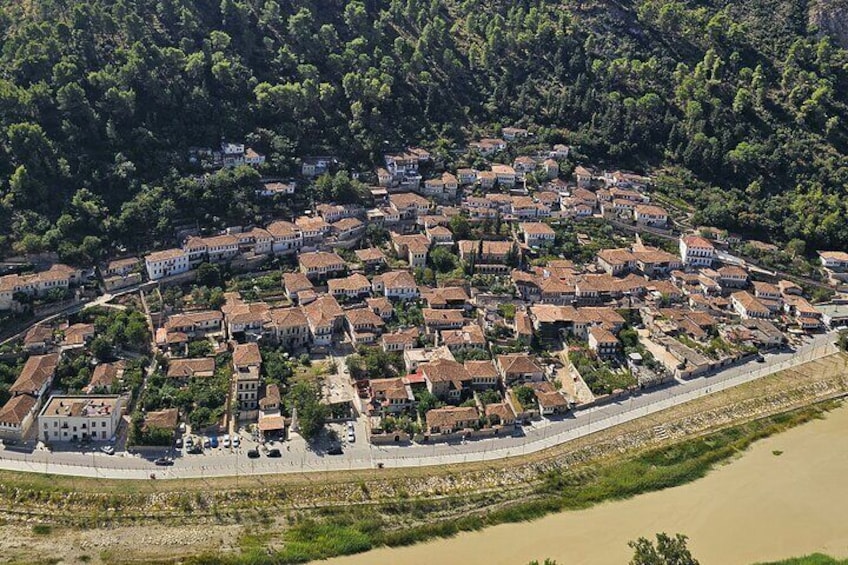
x=164, y=462
x=274, y=452
x=335, y=450
x=213, y=441
x=225, y=442
x=760, y=358
x=108, y=450
x=253, y=453
x=236, y=441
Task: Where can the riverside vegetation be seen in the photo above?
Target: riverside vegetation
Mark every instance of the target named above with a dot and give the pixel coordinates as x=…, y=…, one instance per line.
x=305, y=531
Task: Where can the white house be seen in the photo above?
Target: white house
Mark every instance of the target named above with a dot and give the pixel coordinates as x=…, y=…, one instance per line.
x=161, y=264
x=80, y=418
x=696, y=251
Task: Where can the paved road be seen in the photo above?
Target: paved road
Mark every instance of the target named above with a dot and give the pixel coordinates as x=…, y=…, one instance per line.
x=362, y=455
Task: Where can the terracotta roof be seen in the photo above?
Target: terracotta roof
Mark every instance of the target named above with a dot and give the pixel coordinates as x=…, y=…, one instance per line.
x=105, y=374
x=480, y=369
x=347, y=224
x=363, y=317
x=164, y=255
x=193, y=318
x=247, y=354
x=78, y=333
x=16, y=409
x=296, y=282
x=698, y=241
x=602, y=335
x=537, y=228
x=38, y=333
x=282, y=228
x=440, y=316
x=450, y=417
x=271, y=397
x=649, y=210
x=371, y=254
x=163, y=419
x=183, y=368
x=399, y=279
x=323, y=311
x=36, y=373
x=444, y=370
x=355, y=282
x=408, y=200
x=518, y=363
x=471, y=334
x=288, y=317
x=749, y=303
x=320, y=259
x=502, y=410
x=402, y=336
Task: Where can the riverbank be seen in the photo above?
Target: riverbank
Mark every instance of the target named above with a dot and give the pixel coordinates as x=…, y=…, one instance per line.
x=783, y=496
x=279, y=518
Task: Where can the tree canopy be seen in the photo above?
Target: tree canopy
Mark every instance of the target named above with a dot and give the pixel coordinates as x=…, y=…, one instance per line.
x=741, y=103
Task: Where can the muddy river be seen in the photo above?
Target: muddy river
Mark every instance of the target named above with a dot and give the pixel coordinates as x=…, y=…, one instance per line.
x=786, y=496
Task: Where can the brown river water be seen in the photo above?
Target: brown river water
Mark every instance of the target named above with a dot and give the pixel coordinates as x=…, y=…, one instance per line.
x=758, y=507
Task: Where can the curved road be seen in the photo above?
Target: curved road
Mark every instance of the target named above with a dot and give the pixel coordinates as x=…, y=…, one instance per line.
x=361, y=455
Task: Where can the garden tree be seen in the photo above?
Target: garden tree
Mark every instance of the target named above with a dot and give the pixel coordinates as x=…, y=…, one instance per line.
x=311, y=414
x=276, y=365
x=460, y=227
x=426, y=401
x=199, y=348
x=842, y=341
x=101, y=348
x=525, y=395
x=443, y=260
x=208, y=275
x=666, y=551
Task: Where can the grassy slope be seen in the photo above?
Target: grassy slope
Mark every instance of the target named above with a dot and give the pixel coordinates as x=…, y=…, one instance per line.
x=347, y=530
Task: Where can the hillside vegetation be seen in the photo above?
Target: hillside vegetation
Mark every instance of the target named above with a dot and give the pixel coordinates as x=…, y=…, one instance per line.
x=741, y=101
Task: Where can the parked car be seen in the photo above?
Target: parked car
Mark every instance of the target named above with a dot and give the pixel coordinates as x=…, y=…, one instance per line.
x=164, y=462
x=253, y=453
x=207, y=443
x=195, y=449
x=213, y=441
x=225, y=441
x=178, y=443
x=760, y=358
x=189, y=441
x=351, y=437
x=108, y=450
x=274, y=452
x=236, y=441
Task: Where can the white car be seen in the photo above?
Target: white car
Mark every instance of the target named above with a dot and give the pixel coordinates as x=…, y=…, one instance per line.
x=225, y=442
x=351, y=437
x=108, y=450
x=236, y=441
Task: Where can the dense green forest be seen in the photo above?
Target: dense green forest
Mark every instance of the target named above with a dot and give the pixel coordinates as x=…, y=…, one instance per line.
x=742, y=103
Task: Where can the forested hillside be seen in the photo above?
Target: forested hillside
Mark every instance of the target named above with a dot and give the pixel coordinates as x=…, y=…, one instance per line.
x=743, y=103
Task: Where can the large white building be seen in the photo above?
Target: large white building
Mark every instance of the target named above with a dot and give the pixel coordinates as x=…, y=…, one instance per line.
x=697, y=251
x=161, y=264
x=80, y=418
